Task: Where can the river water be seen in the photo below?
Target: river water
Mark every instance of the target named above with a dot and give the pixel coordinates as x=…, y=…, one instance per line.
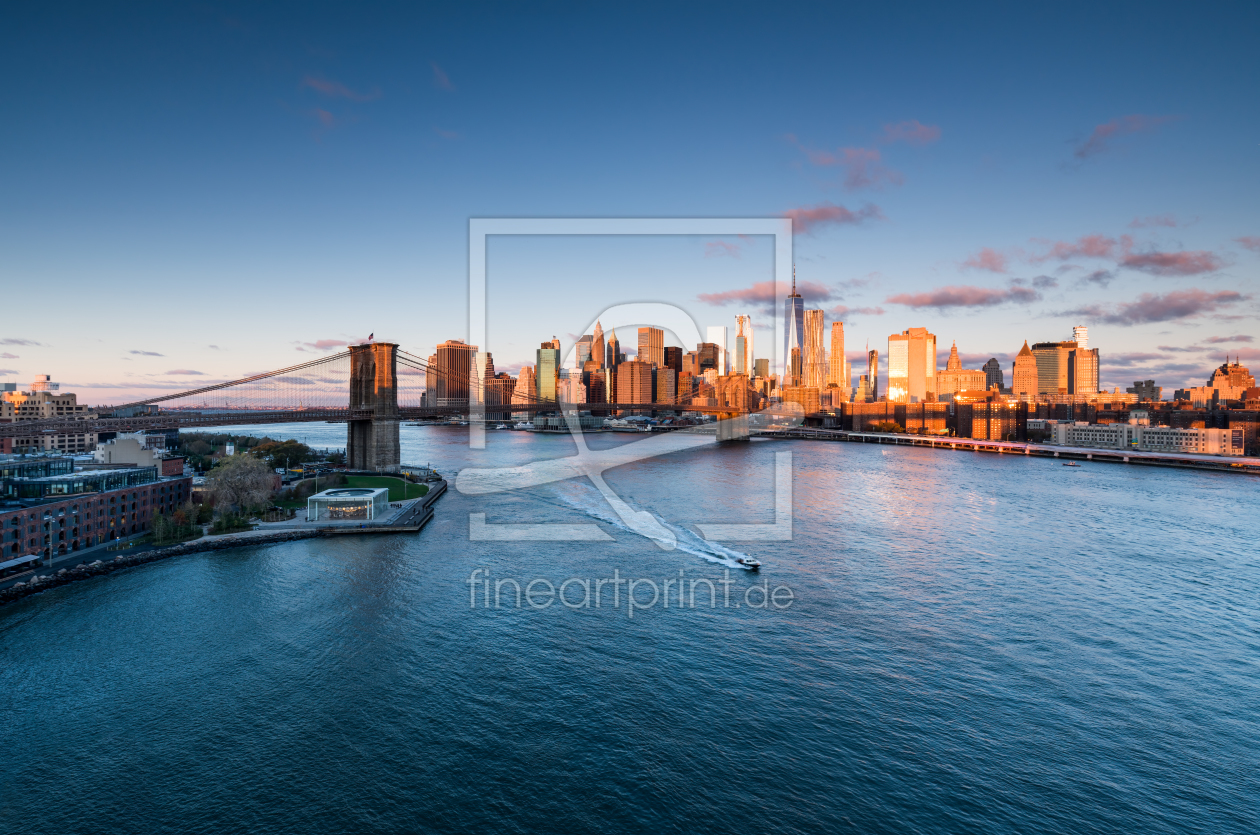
x=972, y=643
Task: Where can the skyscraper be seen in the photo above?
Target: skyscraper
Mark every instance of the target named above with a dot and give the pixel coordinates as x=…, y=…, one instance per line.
x=955, y=378
x=761, y=367
x=547, y=369
x=717, y=336
x=993, y=374
x=583, y=349
x=793, y=332
x=613, y=350
x=836, y=373
x=1084, y=361
x=1054, y=367
x=455, y=366
x=872, y=375
x=815, y=367
x=652, y=346
x=634, y=382
x=524, y=392
x=744, y=346
x=597, y=344
x=911, y=366
x=1024, y=374
x=674, y=358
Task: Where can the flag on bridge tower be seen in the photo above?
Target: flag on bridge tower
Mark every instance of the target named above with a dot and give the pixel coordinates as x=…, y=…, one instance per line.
x=370, y=335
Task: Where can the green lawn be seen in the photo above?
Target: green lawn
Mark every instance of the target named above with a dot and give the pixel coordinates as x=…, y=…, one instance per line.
x=399, y=489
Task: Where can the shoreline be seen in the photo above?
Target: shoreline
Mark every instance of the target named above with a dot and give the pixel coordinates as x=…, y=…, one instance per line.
x=98, y=568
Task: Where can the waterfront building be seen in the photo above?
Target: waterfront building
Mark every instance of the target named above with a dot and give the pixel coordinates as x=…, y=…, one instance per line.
x=793, y=334
x=955, y=378
x=1024, y=374
x=716, y=335
x=1084, y=362
x=1140, y=436
x=135, y=449
x=911, y=366
x=807, y=397
x=47, y=508
x=993, y=374
x=744, y=346
x=814, y=361
x=523, y=393
x=652, y=346
x=348, y=504
x=837, y=373
x=500, y=389
x=665, y=386
x=547, y=370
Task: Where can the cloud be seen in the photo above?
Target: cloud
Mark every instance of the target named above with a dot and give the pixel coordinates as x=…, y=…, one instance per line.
x=11, y=341
x=1044, y=282
x=1102, y=136
x=911, y=132
x=966, y=296
x=7, y=356
x=1251, y=242
x=807, y=218
x=325, y=118
x=986, y=259
x=215, y=347
x=1152, y=307
x=186, y=372
x=440, y=79
x=447, y=134
x=863, y=167
x=1089, y=246
x=8, y=372
x=1172, y=263
x=842, y=311
x=718, y=249
x=1221, y=340
x=146, y=353
x=765, y=292
x=336, y=90
x=1180, y=349
x=1153, y=220
x=1100, y=277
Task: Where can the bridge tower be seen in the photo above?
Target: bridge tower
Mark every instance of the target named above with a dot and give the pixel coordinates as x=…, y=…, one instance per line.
x=372, y=443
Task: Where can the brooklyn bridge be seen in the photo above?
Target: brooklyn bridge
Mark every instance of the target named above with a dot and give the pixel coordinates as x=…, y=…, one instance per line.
x=372, y=388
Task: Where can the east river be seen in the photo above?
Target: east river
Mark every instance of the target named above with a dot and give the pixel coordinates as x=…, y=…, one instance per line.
x=974, y=643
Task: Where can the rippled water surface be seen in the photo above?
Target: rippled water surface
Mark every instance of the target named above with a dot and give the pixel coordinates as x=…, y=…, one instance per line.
x=976, y=644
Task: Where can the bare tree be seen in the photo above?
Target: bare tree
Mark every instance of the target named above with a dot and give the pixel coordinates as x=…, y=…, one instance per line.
x=240, y=482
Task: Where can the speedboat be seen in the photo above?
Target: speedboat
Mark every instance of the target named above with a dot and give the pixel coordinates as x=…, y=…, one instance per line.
x=1070, y=464
x=748, y=562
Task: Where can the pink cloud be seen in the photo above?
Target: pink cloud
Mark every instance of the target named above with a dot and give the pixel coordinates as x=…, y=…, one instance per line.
x=1172, y=263
x=1222, y=340
x=805, y=219
x=336, y=90
x=325, y=118
x=187, y=372
x=912, y=132
x=965, y=296
x=1151, y=307
x=7, y=356
x=440, y=79
x=1153, y=220
x=987, y=259
x=8, y=372
x=841, y=311
x=765, y=292
x=1101, y=137
x=1089, y=246
x=322, y=345
x=1251, y=242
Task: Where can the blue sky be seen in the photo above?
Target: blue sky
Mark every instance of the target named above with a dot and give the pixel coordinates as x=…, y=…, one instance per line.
x=272, y=179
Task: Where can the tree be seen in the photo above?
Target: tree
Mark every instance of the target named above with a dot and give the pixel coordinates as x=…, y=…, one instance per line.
x=240, y=482
x=283, y=453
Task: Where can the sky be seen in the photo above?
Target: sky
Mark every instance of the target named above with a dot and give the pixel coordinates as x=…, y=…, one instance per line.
x=193, y=193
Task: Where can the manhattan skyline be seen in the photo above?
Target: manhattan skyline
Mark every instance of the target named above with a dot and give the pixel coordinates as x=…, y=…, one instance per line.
x=245, y=173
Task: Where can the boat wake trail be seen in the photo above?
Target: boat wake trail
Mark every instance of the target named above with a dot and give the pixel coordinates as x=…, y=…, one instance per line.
x=585, y=498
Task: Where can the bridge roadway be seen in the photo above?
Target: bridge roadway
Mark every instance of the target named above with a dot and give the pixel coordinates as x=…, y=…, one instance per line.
x=176, y=419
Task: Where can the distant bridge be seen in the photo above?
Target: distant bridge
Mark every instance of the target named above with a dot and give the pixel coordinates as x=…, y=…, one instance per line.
x=371, y=388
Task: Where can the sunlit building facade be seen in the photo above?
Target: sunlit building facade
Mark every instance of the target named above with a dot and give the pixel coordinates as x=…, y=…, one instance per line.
x=815, y=361
x=652, y=346
x=911, y=366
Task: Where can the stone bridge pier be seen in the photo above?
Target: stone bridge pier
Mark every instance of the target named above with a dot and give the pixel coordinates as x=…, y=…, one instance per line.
x=372, y=444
